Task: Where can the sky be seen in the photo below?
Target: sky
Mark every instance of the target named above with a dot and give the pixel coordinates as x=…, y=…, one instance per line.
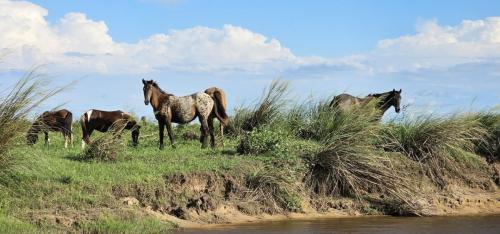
x=444, y=55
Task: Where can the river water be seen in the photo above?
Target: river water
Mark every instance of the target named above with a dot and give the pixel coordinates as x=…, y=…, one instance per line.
x=438, y=225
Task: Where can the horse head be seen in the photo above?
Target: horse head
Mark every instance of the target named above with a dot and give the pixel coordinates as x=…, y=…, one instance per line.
x=396, y=100
x=148, y=90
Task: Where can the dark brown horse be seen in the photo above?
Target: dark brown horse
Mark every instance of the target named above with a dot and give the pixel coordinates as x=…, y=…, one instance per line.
x=57, y=121
x=383, y=101
x=102, y=120
x=219, y=112
x=170, y=109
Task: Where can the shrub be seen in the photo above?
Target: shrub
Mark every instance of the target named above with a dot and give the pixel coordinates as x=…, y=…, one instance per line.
x=263, y=140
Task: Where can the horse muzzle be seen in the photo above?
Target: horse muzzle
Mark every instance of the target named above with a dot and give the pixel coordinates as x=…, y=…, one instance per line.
x=146, y=103
x=398, y=110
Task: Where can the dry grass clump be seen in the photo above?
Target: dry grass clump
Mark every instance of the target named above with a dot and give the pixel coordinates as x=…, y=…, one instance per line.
x=108, y=146
x=268, y=109
x=490, y=147
x=15, y=105
x=437, y=143
x=350, y=165
x=274, y=190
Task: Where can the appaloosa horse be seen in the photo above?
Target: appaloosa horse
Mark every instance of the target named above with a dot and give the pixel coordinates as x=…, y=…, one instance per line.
x=57, y=121
x=170, y=109
x=383, y=101
x=102, y=120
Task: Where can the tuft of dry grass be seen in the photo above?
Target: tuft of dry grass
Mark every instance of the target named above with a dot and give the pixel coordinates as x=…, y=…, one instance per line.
x=273, y=189
x=350, y=165
x=490, y=147
x=15, y=105
x=436, y=143
x=268, y=109
x=108, y=146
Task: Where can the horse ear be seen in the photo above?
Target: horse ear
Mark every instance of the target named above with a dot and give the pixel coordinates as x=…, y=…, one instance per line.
x=143, y=81
x=393, y=90
x=400, y=90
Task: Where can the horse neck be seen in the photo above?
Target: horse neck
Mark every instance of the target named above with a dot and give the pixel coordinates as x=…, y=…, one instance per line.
x=35, y=128
x=385, y=104
x=158, y=98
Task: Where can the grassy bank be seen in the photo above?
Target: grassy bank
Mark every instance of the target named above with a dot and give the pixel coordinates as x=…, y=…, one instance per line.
x=277, y=159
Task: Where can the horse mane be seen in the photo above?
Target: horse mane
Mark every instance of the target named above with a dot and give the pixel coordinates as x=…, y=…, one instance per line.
x=158, y=87
x=379, y=95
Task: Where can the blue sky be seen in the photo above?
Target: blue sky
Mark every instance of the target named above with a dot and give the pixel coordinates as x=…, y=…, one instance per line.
x=443, y=54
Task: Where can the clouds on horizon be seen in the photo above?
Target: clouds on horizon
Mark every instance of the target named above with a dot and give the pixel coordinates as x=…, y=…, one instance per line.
x=76, y=42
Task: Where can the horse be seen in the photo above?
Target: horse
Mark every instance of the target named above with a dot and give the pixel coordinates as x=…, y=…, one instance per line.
x=57, y=121
x=170, y=109
x=383, y=101
x=219, y=112
x=102, y=120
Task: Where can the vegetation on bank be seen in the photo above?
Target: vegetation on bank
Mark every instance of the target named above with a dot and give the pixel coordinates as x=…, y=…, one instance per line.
x=278, y=157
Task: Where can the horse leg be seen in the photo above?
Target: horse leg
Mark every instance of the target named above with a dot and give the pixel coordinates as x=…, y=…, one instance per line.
x=170, y=134
x=212, y=134
x=205, y=130
x=66, y=139
x=161, y=128
x=222, y=134
x=47, y=140
x=86, y=137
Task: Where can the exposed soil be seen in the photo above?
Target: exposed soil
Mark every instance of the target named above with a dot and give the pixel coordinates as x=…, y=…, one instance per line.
x=204, y=199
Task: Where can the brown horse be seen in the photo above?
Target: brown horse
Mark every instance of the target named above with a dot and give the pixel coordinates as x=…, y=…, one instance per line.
x=57, y=121
x=102, y=120
x=383, y=101
x=170, y=109
x=219, y=112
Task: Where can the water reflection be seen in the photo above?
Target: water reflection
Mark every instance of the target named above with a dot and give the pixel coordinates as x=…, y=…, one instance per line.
x=439, y=225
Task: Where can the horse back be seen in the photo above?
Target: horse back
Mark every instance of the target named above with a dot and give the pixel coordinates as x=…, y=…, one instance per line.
x=101, y=120
x=59, y=120
x=185, y=108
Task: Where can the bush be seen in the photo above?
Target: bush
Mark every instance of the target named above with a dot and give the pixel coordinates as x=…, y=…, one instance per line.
x=263, y=140
x=435, y=142
x=108, y=146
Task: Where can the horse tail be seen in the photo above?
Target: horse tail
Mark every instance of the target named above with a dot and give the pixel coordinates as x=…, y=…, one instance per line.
x=220, y=104
x=84, y=119
x=68, y=122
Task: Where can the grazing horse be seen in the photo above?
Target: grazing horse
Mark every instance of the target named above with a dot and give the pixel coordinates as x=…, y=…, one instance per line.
x=170, y=109
x=383, y=101
x=57, y=121
x=219, y=112
x=102, y=120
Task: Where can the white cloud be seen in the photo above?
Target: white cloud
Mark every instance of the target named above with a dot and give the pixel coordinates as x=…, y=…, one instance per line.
x=436, y=46
x=77, y=43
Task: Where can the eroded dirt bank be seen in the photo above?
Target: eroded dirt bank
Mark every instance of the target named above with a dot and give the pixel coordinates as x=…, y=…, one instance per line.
x=205, y=199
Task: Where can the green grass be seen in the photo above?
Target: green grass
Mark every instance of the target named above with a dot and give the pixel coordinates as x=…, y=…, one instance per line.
x=123, y=226
x=43, y=177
